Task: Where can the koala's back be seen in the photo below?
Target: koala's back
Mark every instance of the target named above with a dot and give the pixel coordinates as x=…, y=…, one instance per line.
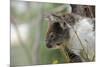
x=84, y=38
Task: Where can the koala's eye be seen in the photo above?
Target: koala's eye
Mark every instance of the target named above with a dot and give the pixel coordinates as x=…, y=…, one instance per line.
x=52, y=36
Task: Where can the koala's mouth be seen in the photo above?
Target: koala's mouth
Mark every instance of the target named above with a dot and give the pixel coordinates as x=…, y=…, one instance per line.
x=56, y=45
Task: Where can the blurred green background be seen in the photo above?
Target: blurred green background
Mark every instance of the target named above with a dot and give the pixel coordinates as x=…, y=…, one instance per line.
x=28, y=31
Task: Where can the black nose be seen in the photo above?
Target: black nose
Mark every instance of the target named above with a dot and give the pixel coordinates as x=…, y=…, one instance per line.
x=49, y=46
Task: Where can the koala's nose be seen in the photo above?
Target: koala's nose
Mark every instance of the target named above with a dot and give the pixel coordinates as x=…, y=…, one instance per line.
x=49, y=46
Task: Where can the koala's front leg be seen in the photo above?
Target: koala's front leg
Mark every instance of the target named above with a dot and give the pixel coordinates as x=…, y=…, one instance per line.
x=73, y=57
x=70, y=56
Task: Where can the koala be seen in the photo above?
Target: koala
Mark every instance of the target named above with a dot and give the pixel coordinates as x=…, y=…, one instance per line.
x=75, y=31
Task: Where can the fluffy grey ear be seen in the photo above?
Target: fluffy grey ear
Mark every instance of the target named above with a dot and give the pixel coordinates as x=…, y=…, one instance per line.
x=50, y=18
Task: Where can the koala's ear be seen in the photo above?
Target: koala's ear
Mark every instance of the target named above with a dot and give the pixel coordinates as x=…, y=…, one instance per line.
x=53, y=17
x=50, y=18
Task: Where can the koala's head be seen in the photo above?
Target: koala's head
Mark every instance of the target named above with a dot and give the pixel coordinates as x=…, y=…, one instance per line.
x=58, y=31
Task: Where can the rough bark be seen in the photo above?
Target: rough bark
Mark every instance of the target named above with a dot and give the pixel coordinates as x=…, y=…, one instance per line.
x=84, y=10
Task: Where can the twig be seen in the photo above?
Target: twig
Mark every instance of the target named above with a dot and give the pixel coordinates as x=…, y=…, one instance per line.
x=81, y=44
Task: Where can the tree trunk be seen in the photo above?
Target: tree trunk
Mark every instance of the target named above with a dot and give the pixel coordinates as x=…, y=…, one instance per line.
x=84, y=10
